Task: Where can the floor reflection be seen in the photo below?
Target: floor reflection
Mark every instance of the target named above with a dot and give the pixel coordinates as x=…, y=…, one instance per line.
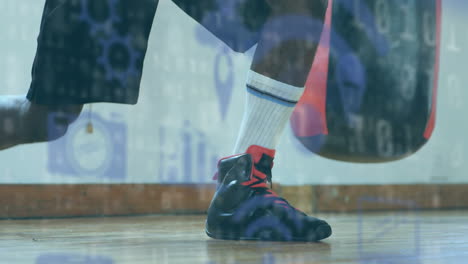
x=181, y=239
x=228, y=252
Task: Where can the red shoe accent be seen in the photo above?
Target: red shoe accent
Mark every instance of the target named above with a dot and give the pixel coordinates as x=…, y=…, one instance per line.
x=258, y=179
x=257, y=151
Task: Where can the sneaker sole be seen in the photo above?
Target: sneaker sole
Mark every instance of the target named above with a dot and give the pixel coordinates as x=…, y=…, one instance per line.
x=322, y=232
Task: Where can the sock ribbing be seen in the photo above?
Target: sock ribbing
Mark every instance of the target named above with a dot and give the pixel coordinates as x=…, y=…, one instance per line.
x=269, y=106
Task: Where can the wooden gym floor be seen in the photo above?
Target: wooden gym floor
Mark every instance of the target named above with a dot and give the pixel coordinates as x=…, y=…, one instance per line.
x=390, y=237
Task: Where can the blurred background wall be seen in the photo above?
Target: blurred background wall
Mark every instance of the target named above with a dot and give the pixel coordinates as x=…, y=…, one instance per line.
x=184, y=122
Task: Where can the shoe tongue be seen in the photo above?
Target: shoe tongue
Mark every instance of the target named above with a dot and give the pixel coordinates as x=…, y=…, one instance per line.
x=263, y=159
x=257, y=153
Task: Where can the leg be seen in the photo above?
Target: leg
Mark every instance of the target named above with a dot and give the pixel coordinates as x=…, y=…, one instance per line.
x=289, y=59
x=280, y=67
x=244, y=206
x=25, y=122
x=75, y=64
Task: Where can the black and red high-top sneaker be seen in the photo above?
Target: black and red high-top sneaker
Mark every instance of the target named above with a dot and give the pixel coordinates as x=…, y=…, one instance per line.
x=245, y=208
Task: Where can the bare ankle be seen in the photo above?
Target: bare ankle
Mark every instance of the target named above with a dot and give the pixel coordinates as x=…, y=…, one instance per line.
x=23, y=122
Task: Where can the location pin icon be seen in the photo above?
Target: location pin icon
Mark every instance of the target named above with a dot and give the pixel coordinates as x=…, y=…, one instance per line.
x=224, y=85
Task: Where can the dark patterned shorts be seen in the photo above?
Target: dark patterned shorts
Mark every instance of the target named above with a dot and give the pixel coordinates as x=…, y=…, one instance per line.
x=93, y=50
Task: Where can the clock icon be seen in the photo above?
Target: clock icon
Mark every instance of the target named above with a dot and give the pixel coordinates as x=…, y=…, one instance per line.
x=90, y=153
x=100, y=152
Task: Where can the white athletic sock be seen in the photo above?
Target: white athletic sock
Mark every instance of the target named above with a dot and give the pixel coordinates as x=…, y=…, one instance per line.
x=269, y=106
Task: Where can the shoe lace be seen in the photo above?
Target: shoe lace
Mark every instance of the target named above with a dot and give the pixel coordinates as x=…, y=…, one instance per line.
x=263, y=185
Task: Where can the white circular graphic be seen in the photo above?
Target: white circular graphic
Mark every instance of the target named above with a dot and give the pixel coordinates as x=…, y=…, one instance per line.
x=89, y=153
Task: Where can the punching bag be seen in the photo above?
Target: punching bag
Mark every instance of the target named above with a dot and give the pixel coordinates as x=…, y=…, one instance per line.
x=371, y=93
